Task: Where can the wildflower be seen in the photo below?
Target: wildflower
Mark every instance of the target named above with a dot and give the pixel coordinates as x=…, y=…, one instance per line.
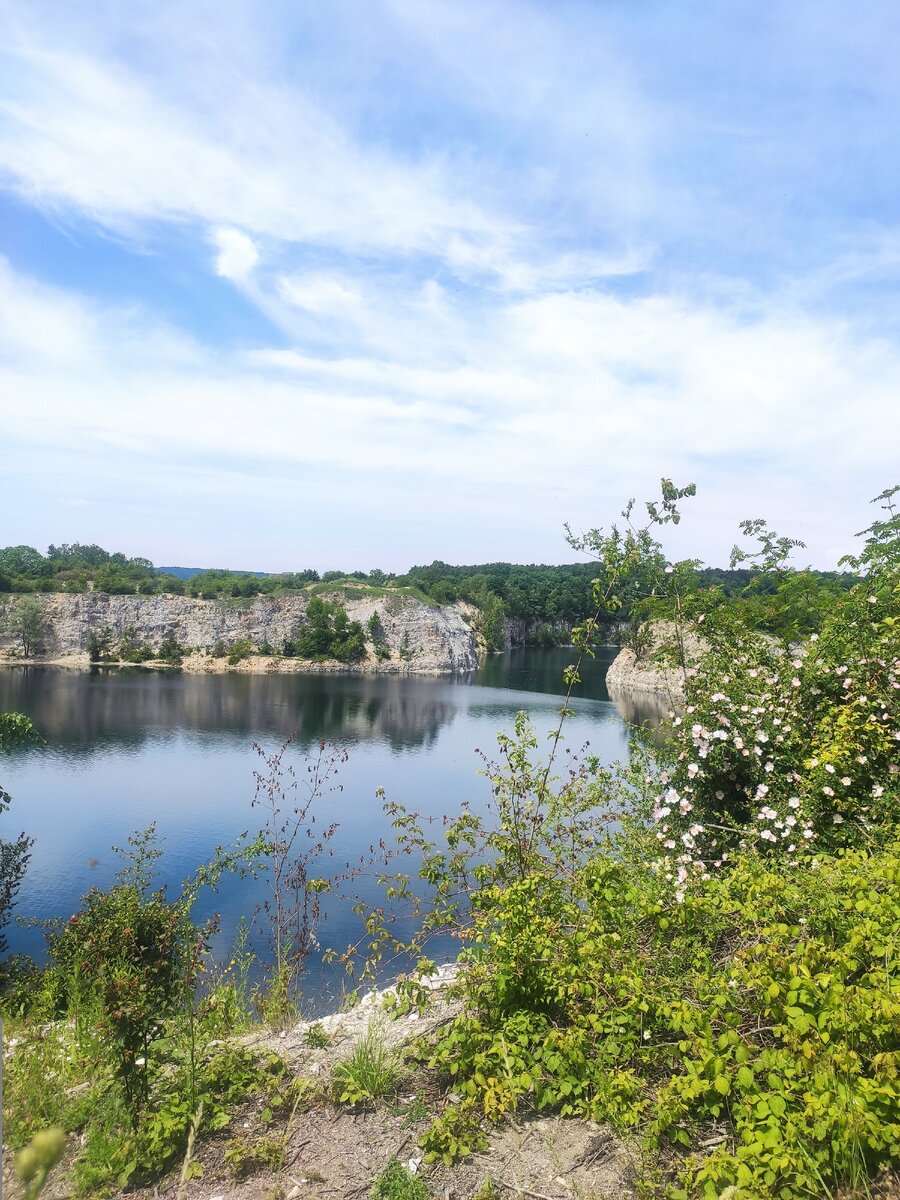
x=846, y=780
x=793, y=802
x=692, y=770
x=829, y=768
x=827, y=791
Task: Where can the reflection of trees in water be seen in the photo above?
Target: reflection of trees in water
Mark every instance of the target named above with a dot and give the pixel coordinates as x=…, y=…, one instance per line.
x=84, y=713
x=542, y=671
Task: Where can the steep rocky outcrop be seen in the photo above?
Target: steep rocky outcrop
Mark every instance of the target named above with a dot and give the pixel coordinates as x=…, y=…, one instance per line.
x=628, y=673
x=642, y=672
x=420, y=638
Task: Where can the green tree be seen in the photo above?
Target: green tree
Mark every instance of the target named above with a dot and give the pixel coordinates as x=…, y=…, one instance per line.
x=491, y=622
x=99, y=644
x=26, y=622
x=315, y=639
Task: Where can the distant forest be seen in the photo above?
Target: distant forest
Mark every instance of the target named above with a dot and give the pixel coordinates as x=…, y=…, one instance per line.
x=556, y=595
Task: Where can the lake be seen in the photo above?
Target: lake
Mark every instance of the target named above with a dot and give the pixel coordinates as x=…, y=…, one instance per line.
x=127, y=748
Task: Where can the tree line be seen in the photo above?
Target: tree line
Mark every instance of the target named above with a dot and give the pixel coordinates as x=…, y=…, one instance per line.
x=547, y=599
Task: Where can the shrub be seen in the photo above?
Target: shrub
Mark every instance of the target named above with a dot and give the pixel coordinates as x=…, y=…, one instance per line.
x=99, y=645
x=790, y=748
x=240, y=650
x=171, y=652
x=128, y=950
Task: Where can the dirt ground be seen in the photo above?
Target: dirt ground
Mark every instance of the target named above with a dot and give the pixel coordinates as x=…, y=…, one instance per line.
x=336, y=1151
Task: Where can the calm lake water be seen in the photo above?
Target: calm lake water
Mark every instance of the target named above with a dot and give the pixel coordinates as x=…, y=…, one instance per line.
x=127, y=748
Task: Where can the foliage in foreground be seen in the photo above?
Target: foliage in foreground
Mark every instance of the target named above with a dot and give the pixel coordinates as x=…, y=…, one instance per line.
x=762, y=1013
x=721, y=979
x=117, y=1040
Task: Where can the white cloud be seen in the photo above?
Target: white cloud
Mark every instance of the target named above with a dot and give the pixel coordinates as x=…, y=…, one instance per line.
x=237, y=255
x=558, y=408
x=90, y=137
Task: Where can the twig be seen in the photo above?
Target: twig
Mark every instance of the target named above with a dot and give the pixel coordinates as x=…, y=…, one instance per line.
x=188, y=1154
x=524, y=1191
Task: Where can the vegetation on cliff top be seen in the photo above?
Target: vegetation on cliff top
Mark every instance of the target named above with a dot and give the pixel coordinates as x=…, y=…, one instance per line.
x=547, y=600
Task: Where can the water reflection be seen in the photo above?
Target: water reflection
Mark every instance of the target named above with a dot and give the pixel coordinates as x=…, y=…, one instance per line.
x=82, y=713
x=85, y=714
x=127, y=748
x=647, y=711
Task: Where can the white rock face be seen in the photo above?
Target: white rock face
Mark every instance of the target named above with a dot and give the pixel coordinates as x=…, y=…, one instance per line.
x=627, y=673
x=421, y=638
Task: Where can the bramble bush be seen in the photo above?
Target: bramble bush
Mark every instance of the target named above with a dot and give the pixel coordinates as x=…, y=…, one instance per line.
x=791, y=748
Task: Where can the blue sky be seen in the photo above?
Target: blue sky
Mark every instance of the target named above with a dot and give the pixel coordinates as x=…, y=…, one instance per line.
x=355, y=284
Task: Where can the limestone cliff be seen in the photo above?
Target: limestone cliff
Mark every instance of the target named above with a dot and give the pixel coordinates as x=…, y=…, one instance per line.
x=420, y=638
x=630, y=672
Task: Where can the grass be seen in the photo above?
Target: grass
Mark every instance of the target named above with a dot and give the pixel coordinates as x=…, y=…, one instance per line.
x=396, y=1182
x=370, y=1072
x=357, y=587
